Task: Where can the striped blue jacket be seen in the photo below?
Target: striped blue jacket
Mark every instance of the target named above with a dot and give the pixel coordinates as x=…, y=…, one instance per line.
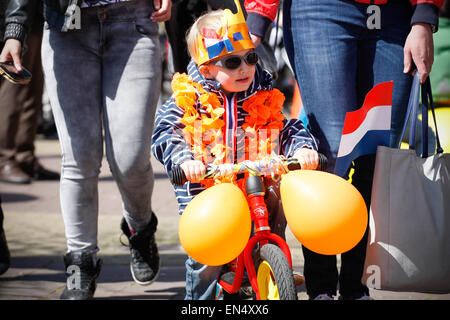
x=170, y=148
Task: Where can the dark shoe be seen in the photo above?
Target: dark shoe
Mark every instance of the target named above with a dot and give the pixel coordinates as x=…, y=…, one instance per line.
x=38, y=172
x=81, y=274
x=11, y=172
x=322, y=296
x=245, y=291
x=5, y=258
x=145, y=261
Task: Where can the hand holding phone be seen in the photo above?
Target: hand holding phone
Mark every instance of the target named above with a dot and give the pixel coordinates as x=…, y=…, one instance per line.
x=10, y=73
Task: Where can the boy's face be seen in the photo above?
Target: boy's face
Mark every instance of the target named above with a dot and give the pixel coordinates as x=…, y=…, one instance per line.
x=233, y=80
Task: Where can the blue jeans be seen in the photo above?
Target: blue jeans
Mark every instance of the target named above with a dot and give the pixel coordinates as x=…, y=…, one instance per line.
x=337, y=60
x=104, y=79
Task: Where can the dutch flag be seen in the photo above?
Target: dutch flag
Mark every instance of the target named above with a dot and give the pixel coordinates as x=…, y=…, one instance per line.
x=366, y=128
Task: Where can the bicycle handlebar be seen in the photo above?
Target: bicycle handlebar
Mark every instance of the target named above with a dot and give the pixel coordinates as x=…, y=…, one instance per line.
x=261, y=167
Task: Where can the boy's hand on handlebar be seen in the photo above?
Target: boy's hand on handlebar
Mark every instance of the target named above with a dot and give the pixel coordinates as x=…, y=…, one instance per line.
x=308, y=158
x=193, y=170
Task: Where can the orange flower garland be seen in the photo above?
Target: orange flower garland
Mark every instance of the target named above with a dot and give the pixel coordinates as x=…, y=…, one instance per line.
x=201, y=129
x=264, y=123
x=204, y=130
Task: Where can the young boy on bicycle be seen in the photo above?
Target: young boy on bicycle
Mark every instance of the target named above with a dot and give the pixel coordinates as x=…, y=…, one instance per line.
x=223, y=106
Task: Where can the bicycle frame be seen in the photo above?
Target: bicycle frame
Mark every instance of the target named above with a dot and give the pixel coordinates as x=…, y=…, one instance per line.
x=258, y=209
x=260, y=218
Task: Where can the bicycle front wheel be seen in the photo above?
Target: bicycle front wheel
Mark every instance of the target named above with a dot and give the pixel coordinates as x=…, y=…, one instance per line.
x=274, y=275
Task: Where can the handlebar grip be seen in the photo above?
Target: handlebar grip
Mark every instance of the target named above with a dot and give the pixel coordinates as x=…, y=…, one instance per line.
x=294, y=165
x=323, y=162
x=177, y=176
x=322, y=166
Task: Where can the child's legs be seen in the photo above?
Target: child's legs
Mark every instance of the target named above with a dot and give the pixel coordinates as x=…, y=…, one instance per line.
x=201, y=280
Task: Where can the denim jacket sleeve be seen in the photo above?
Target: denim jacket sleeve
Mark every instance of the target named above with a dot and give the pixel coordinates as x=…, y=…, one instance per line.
x=293, y=136
x=168, y=144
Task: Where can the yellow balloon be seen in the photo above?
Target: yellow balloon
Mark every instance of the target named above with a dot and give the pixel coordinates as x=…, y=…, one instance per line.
x=215, y=226
x=326, y=213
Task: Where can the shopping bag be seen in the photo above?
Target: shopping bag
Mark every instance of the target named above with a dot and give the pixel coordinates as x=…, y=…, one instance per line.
x=409, y=239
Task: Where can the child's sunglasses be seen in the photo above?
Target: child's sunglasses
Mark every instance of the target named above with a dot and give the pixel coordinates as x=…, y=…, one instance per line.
x=234, y=62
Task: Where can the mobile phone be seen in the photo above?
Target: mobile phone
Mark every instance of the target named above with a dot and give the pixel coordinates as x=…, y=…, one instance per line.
x=10, y=73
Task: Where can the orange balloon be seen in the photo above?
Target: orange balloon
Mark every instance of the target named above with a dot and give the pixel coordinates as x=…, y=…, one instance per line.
x=326, y=213
x=215, y=226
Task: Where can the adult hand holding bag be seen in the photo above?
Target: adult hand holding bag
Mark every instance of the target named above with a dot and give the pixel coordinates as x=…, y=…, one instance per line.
x=409, y=241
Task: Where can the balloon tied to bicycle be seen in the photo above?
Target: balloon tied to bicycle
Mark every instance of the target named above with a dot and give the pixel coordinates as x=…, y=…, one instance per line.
x=244, y=240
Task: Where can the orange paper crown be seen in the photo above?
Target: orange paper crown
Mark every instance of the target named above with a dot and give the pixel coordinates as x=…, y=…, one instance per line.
x=232, y=36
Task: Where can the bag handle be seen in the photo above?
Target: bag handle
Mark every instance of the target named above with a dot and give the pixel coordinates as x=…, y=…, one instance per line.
x=412, y=112
x=427, y=103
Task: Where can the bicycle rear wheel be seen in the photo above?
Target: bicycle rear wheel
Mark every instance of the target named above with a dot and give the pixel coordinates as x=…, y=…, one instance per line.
x=274, y=275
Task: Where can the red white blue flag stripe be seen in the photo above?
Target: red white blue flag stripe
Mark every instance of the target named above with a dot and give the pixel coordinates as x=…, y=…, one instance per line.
x=366, y=128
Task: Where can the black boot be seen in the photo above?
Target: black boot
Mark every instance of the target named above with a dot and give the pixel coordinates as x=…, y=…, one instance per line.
x=5, y=258
x=81, y=275
x=36, y=171
x=144, y=263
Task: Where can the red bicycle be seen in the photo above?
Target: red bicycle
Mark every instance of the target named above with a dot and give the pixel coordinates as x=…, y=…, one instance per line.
x=266, y=257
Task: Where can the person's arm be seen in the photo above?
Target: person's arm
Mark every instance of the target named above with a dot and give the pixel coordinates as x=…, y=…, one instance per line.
x=426, y=11
x=419, y=47
x=18, y=19
x=163, y=10
x=168, y=144
x=11, y=52
x=294, y=136
x=298, y=142
x=260, y=14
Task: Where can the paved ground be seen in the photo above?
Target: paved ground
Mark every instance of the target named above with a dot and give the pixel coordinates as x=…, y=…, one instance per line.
x=35, y=234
